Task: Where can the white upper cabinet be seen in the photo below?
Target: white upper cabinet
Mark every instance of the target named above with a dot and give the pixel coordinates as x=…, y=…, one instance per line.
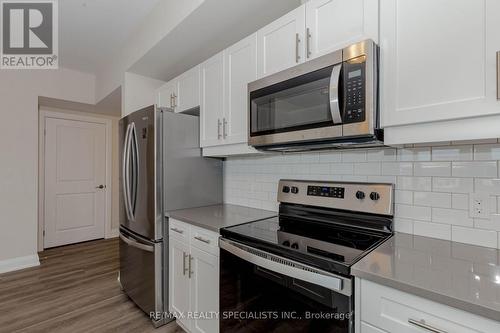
x=334, y=24
x=165, y=95
x=281, y=44
x=212, y=101
x=241, y=69
x=438, y=62
x=187, y=94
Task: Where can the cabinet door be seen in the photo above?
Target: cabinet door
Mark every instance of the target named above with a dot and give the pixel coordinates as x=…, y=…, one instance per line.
x=187, y=95
x=204, y=291
x=179, y=296
x=212, y=101
x=438, y=59
x=281, y=43
x=334, y=24
x=241, y=68
x=165, y=95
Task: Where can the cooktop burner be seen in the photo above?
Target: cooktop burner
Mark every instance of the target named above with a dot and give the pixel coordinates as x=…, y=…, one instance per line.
x=330, y=232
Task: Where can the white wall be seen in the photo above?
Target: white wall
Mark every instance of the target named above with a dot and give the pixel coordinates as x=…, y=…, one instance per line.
x=19, y=91
x=433, y=184
x=138, y=92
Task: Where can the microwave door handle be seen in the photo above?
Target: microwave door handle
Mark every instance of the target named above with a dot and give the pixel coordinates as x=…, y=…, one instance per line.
x=334, y=94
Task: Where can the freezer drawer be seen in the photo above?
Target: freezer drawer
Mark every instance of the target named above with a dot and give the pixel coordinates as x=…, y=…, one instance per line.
x=141, y=274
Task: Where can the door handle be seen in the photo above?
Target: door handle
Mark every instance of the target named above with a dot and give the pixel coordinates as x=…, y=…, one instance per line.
x=224, y=125
x=125, y=170
x=171, y=100
x=422, y=324
x=498, y=75
x=136, y=244
x=190, y=272
x=101, y=186
x=206, y=241
x=218, y=129
x=135, y=159
x=177, y=230
x=184, y=268
x=297, y=41
x=175, y=100
x=334, y=94
x=308, y=42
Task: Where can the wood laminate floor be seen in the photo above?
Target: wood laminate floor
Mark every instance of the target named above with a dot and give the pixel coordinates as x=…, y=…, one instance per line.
x=74, y=289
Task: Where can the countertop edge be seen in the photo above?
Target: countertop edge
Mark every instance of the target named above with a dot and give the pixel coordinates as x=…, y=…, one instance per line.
x=195, y=223
x=434, y=296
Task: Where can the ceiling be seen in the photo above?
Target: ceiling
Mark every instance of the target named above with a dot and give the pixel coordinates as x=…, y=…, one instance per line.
x=90, y=31
x=210, y=28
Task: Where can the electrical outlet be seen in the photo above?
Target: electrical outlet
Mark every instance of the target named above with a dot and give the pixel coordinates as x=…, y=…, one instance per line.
x=479, y=205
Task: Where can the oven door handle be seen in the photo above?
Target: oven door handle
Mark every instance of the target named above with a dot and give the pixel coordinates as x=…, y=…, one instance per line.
x=288, y=267
x=334, y=94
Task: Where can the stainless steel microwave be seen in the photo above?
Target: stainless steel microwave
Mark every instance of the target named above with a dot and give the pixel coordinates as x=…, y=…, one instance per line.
x=327, y=102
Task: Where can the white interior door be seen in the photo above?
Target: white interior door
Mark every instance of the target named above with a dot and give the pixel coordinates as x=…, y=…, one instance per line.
x=75, y=167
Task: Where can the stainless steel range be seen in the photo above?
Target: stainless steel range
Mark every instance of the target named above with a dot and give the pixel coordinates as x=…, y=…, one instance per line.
x=291, y=273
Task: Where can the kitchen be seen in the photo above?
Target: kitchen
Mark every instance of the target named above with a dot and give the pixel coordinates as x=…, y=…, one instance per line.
x=276, y=178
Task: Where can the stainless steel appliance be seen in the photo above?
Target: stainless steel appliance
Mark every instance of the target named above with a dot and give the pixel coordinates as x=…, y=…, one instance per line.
x=328, y=102
x=161, y=169
x=291, y=273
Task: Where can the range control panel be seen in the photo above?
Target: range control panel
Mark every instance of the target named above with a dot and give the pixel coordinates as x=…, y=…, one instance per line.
x=326, y=191
x=354, y=89
x=375, y=198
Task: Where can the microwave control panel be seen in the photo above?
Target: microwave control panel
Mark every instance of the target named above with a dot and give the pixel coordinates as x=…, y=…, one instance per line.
x=354, y=88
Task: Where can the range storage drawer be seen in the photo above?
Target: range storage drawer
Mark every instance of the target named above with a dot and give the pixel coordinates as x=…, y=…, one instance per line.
x=395, y=311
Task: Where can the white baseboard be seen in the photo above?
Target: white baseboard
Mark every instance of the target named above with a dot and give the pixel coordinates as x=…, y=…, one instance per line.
x=9, y=265
x=113, y=233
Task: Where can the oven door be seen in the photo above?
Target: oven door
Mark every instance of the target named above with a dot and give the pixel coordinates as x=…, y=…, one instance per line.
x=260, y=292
x=305, y=107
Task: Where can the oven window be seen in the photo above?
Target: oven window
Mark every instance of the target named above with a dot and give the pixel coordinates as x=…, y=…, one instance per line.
x=298, y=103
x=254, y=299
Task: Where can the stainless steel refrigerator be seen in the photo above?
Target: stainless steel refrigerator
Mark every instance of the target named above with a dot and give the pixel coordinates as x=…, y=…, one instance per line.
x=162, y=169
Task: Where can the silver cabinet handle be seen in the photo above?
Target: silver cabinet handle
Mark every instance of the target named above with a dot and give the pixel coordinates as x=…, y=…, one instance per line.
x=171, y=100
x=177, y=230
x=498, y=75
x=308, y=42
x=297, y=41
x=219, y=136
x=175, y=100
x=190, y=272
x=184, y=268
x=422, y=324
x=224, y=125
x=206, y=241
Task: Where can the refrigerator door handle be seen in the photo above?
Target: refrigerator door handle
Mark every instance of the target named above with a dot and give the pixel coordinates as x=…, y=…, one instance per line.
x=125, y=171
x=136, y=244
x=135, y=172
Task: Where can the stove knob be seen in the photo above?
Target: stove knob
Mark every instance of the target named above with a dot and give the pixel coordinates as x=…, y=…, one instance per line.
x=295, y=246
x=295, y=190
x=286, y=243
x=286, y=189
x=360, y=195
x=374, y=196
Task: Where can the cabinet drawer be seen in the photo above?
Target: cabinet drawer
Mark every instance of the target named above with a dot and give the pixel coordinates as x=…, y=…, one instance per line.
x=178, y=230
x=394, y=311
x=205, y=240
x=367, y=328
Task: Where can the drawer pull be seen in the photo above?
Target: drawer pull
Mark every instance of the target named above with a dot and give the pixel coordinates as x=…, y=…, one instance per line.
x=177, y=230
x=498, y=75
x=202, y=240
x=422, y=324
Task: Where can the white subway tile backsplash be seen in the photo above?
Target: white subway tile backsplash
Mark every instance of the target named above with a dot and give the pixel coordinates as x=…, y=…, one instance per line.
x=474, y=236
x=432, y=199
x=455, y=185
x=397, y=169
x=452, y=153
x=491, y=186
x=487, y=152
x=452, y=216
x=432, y=183
x=474, y=169
x=414, y=154
x=429, y=229
x=442, y=169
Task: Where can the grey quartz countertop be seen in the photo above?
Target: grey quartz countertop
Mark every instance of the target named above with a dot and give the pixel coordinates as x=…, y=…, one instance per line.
x=463, y=276
x=219, y=216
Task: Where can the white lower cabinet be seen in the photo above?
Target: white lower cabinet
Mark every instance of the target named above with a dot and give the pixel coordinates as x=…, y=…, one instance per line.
x=384, y=309
x=194, y=277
